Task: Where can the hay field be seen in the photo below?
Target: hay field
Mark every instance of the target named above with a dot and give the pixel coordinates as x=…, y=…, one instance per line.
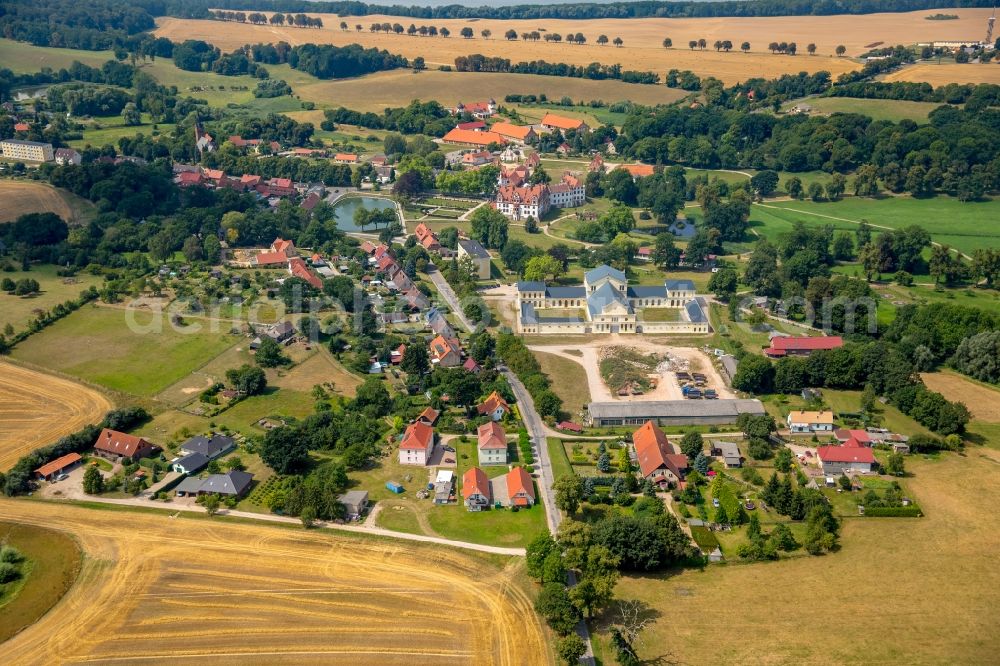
x=19, y=310
x=160, y=589
x=37, y=409
x=23, y=58
x=905, y=591
x=28, y=196
x=643, y=48
x=377, y=91
x=983, y=401
x=946, y=72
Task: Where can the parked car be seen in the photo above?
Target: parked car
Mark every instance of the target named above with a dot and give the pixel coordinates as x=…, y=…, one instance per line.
x=62, y=477
x=448, y=449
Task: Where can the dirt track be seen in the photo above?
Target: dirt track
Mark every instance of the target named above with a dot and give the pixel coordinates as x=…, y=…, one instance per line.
x=37, y=409
x=159, y=589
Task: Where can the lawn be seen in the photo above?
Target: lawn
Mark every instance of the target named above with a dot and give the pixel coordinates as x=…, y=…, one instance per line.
x=965, y=226
x=569, y=381
x=877, y=109
x=136, y=353
x=558, y=459
x=19, y=310
x=52, y=562
x=105, y=130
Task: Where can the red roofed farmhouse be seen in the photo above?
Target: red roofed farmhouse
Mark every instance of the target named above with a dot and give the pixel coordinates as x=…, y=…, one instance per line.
x=656, y=457
x=851, y=457
x=471, y=138
x=802, y=346
x=113, y=445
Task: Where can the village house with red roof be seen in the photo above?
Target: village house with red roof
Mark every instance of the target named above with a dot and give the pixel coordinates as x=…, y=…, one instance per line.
x=850, y=458
x=115, y=445
x=494, y=406
x=519, y=203
x=492, y=441
x=658, y=461
x=417, y=445
x=481, y=110
x=476, y=490
x=446, y=352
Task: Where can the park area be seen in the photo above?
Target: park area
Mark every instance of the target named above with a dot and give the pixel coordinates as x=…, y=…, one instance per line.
x=234, y=592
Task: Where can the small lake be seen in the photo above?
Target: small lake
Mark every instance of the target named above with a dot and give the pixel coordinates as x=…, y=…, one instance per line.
x=343, y=211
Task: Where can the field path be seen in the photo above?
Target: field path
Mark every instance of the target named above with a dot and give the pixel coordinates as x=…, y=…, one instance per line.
x=37, y=409
x=158, y=589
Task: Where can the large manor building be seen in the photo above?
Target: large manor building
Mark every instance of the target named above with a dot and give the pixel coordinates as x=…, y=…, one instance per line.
x=607, y=304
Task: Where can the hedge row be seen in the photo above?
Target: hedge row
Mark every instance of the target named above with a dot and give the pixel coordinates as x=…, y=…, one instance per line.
x=912, y=511
x=18, y=480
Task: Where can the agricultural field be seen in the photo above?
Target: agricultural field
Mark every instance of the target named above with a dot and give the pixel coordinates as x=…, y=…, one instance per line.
x=981, y=399
x=273, y=593
x=399, y=87
x=28, y=196
x=877, y=109
x=940, y=74
x=98, y=344
x=22, y=58
x=950, y=221
x=643, y=48
x=948, y=550
x=37, y=409
x=19, y=310
x=50, y=566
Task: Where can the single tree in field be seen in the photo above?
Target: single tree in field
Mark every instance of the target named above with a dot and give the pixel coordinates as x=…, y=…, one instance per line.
x=702, y=43
x=467, y=32
x=510, y=34
x=602, y=40
x=580, y=39
x=486, y=34
x=343, y=26
x=445, y=32
x=412, y=30
x=398, y=28
x=718, y=45
x=692, y=44
x=745, y=47
x=811, y=48
x=727, y=45
x=792, y=48
x=618, y=42
x=668, y=43
x=841, y=50
x=358, y=27
x=772, y=47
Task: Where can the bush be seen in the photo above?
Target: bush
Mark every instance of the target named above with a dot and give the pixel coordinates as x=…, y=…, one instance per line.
x=912, y=511
x=9, y=572
x=10, y=555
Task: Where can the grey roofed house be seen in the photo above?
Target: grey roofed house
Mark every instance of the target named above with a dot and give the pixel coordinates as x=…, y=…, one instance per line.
x=602, y=272
x=189, y=486
x=210, y=448
x=355, y=502
x=190, y=463
x=473, y=248
x=231, y=483
x=671, y=412
x=729, y=451
x=604, y=296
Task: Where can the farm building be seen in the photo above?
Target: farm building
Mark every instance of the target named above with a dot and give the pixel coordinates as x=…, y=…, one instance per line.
x=728, y=451
x=809, y=422
x=492, y=444
x=671, y=412
x=658, y=461
x=429, y=416
x=417, y=445
x=476, y=489
x=355, y=503
x=115, y=445
x=552, y=121
x=851, y=457
x=494, y=406
x=61, y=465
x=785, y=345
x=860, y=436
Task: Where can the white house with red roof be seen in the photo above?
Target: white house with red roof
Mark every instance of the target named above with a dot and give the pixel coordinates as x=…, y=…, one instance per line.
x=850, y=458
x=520, y=488
x=417, y=445
x=481, y=110
x=569, y=192
x=492, y=444
x=476, y=490
x=519, y=203
x=494, y=406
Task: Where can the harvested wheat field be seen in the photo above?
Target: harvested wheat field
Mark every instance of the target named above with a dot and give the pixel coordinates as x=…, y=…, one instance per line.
x=25, y=196
x=37, y=409
x=399, y=87
x=642, y=51
x=161, y=589
x=983, y=401
x=947, y=72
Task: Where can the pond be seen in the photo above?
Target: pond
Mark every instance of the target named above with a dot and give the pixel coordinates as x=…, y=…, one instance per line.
x=344, y=210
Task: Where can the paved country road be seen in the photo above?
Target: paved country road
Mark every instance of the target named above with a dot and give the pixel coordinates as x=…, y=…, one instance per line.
x=448, y=294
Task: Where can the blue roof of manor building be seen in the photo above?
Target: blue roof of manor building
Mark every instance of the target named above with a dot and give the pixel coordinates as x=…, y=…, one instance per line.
x=680, y=285
x=695, y=311
x=565, y=292
x=602, y=272
x=604, y=296
x=528, y=315
x=531, y=286
x=654, y=291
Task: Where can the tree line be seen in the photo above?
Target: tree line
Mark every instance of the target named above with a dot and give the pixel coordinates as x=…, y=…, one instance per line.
x=279, y=19
x=595, y=70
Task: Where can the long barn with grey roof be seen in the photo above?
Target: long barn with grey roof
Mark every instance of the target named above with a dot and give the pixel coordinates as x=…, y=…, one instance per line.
x=606, y=303
x=671, y=412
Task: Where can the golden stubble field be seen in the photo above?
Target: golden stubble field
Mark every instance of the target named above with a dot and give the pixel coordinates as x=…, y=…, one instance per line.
x=158, y=589
x=24, y=196
x=37, y=409
x=946, y=72
x=983, y=402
